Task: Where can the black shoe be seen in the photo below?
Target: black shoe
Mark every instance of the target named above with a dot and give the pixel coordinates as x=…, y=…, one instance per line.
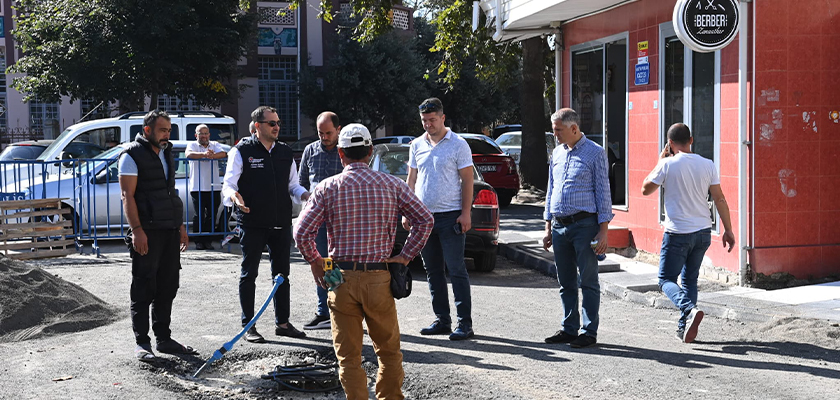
x=170, y=346
x=583, y=341
x=199, y=246
x=253, y=336
x=561, y=337
x=436, y=328
x=289, y=331
x=462, y=333
x=319, y=322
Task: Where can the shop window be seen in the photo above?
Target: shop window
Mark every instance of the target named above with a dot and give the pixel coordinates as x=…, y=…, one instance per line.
x=690, y=94
x=599, y=95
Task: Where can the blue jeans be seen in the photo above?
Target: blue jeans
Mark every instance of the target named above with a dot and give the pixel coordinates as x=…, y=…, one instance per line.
x=682, y=254
x=445, y=251
x=321, y=245
x=577, y=267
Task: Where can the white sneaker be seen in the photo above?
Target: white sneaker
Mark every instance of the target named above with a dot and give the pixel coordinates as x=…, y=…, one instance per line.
x=691, y=324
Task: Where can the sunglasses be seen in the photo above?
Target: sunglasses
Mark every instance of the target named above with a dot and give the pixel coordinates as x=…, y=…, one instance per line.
x=428, y=107
x=270, y=123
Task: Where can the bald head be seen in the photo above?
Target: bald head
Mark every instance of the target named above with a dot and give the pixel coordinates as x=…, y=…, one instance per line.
x=328, y=127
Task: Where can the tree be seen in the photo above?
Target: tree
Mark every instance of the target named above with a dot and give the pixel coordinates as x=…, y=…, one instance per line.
x=126, y=50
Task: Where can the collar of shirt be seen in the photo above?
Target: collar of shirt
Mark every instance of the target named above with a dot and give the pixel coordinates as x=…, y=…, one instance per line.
x=448, y=135
x=325, y=150
x=580, y=141
x=356, y=165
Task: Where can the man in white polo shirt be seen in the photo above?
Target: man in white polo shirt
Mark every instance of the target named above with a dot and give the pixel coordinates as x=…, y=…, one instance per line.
x=205, y=183
x=441, y=174
x=686, y=178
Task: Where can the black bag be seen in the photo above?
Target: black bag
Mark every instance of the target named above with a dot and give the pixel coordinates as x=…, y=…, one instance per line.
x=400, y=280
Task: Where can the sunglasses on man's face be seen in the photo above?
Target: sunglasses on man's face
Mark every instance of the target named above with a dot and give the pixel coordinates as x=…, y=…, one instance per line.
x=428, y=107
x=270, y=123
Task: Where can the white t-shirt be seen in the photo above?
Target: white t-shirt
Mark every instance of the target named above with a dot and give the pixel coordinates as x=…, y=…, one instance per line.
x=686, y=178
x=438, y=168
x=201, y=171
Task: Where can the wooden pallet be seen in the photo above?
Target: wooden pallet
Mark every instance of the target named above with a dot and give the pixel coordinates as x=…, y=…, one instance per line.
x=27, y=239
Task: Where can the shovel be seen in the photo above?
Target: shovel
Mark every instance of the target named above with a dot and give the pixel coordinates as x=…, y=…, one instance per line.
x=218, y=354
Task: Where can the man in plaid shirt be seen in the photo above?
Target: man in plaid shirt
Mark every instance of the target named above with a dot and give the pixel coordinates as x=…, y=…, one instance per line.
x=361, y=208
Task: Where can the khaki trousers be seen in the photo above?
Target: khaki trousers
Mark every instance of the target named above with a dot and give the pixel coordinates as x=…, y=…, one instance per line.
x=366, y=296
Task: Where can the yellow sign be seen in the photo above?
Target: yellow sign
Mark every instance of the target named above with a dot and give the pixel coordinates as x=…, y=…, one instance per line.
x=643, y=45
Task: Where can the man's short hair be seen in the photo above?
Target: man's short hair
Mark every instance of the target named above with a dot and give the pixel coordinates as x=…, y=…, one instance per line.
x=431, y=105
x=259, y=114
x=566, y=116
x=679, y=133
x=200, y=127
x=357, y=153
x=331, y=115
x=151, y=118
x=252, y=127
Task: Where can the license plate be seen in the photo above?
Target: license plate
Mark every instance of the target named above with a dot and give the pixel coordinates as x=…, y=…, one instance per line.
x=486, y=168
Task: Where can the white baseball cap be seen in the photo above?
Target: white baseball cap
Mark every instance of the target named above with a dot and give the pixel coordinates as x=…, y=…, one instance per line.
x=354, y=135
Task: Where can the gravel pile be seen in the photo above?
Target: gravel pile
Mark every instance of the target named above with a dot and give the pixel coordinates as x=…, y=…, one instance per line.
x=35, y=303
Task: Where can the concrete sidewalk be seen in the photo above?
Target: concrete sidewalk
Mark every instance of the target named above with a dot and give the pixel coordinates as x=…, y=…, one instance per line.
x=637, y=282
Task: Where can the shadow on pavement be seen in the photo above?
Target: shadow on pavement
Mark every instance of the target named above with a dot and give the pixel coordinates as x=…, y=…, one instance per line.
x=694, y=360
x=532, y=350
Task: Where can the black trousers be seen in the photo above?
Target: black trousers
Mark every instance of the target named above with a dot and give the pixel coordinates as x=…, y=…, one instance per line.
x=205, y=205
x=252, y=241
x=154, y=282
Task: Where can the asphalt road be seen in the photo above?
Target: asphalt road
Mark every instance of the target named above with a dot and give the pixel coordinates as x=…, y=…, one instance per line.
x=514, y=309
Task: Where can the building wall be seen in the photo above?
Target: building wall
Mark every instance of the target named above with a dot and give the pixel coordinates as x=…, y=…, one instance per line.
x=797, y=151
x=641, y=20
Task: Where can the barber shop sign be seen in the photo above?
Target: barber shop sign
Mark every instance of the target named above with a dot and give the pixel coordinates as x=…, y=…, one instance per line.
x=706, y=25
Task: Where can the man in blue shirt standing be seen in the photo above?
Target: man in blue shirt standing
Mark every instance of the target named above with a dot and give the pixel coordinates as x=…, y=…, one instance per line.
x=320, y=161
x=578, y=211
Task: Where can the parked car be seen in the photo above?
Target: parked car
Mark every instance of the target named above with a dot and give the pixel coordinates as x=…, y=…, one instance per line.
x=482, y=238
x=26, y=150
x=497, y=168
x=299, y=145
x=500, y=129
x=511, y=143
x=394, y=139
x=108, y=132
x=92, y=191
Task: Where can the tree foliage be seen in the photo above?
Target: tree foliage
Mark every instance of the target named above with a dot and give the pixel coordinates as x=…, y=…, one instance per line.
x=126, y=50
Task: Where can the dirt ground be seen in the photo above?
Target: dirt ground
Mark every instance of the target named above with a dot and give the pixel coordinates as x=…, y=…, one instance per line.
x=513, y=310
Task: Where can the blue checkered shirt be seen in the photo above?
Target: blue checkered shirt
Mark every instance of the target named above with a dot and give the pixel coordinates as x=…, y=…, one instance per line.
x=317, y=164
x=578, y=182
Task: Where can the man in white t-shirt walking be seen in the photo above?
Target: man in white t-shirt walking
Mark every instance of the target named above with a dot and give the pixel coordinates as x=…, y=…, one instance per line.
x=205, y=183
x=686, y=178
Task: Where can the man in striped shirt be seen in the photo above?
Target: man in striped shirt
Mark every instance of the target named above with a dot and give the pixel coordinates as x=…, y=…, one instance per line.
x=360, y=208
x=578, y=210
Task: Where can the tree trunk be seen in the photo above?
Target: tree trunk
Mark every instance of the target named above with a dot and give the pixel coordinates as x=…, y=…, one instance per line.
x=533, y=161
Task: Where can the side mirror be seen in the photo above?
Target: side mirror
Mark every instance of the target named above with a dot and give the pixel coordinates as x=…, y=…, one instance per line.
x=67, y=156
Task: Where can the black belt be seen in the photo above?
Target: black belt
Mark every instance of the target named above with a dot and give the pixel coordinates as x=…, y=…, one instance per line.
x=357, y=266
x=571, y=219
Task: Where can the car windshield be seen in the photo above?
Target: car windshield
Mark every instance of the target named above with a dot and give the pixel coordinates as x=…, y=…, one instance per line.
x=21, y=152
x=56, y=144
x=510, y=139
x=478, y=146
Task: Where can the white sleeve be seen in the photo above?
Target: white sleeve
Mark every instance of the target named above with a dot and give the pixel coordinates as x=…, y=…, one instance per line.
x=231, y=181
x=657, y=176
x=295, y=188
x=127, y=166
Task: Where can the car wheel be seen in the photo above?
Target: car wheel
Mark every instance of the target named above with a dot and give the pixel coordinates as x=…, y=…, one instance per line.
x=486, y=261
x=505, y=197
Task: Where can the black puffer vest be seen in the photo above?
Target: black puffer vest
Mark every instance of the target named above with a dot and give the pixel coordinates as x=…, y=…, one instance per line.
x=264, y=184
x=158, y=204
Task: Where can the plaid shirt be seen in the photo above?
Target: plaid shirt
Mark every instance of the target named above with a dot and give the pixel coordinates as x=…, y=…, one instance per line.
x=317, y=164
x=578, y=181
x=361, y=208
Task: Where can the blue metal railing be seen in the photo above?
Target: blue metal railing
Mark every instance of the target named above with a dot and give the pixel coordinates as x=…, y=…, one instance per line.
x=90, y=188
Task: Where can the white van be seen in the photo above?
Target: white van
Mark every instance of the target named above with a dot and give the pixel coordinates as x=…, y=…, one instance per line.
x=98, y=135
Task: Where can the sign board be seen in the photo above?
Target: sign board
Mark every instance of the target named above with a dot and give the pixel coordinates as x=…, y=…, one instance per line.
x=642, y=74
x=706, y=25
x=12, y=196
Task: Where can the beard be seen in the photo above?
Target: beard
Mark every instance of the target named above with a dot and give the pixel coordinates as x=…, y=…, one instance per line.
x=162, y=144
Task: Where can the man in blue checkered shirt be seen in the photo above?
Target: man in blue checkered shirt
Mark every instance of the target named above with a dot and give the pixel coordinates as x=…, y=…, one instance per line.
x=320, y=161
x=578, y=211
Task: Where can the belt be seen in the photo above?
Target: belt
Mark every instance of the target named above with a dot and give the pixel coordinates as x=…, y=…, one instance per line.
x=571, y=219
x=357, y=266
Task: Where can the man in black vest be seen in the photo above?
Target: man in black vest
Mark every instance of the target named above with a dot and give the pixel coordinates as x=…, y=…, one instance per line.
x=156, y=217
x=261, y=175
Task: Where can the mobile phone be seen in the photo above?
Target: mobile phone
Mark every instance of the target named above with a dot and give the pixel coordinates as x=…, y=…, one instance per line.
x=670, y=150
x=457, y=228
